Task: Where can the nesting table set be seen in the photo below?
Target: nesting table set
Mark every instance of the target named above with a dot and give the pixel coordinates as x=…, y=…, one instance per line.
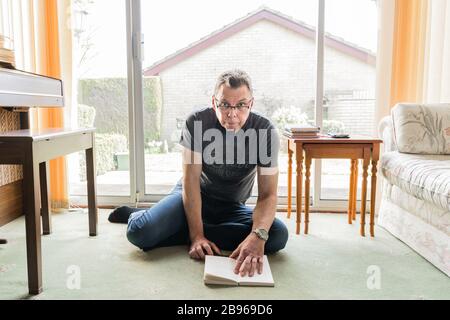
x=356, y=149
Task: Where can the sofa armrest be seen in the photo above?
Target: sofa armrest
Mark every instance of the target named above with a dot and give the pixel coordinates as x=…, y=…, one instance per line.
x=422, y=128
x=386, y=133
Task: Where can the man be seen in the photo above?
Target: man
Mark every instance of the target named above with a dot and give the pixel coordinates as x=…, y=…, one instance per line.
x=225, y=147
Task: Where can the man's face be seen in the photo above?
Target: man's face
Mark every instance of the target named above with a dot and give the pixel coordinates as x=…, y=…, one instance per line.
x=232, y=119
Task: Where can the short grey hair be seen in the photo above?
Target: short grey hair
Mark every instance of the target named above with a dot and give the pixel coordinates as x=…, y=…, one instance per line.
x=234, y=79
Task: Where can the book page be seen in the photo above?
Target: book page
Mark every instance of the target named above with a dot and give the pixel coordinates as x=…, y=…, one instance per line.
x=219, y=270
x=263, y=279
x=217, y=267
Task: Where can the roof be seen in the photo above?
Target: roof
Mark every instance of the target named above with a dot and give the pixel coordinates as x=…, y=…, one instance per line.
x=263, y=13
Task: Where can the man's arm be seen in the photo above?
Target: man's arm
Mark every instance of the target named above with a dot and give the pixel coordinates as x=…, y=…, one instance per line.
x=192, y=202
x=250, y=252
x=266, y=205
x=191, y=193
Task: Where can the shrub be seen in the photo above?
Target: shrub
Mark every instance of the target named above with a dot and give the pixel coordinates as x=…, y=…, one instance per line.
x=333, y=126
x=106, y=145
x=86, y=116
x=292, y=115
x=109, y=97
x=288, y=115
x=154, y=146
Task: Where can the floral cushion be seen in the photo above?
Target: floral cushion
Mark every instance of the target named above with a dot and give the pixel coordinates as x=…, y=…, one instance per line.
x=422, y=129
x=426, y=177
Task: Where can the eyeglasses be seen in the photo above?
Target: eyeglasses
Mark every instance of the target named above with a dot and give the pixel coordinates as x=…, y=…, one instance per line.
x=226, y=107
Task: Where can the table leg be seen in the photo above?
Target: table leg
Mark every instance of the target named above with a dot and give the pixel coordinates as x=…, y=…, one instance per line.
x=91, y=186
x=364, y=189
x=45, y=201
x=373, y=192
x=289, y=199
x=299, y=159
x=355, y=193
x=307, y=187
x=32, y=222
x=351, y=191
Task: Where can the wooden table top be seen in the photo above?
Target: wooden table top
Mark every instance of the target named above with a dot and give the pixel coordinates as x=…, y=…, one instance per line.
x=328, y=139
x=41, y=134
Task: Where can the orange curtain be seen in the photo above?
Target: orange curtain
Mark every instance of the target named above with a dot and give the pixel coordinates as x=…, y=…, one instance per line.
x=48, y=63
x=410, y=28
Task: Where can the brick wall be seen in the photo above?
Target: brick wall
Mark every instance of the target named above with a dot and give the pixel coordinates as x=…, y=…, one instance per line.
x=281, y=64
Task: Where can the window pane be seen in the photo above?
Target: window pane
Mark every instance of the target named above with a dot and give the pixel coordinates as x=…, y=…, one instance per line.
x=349, y=82
x=100, y=60
x=187, y=49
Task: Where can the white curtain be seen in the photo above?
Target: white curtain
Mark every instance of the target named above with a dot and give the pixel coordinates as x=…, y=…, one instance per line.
x=15, y=25
x=386, y=12
x=19, y=21
x=437, y=56
x=436, y=87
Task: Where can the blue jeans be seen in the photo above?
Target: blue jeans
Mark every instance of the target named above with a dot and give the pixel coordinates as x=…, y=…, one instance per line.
x=226, y=224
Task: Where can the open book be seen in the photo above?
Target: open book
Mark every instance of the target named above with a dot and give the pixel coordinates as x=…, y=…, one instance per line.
x=219, y=270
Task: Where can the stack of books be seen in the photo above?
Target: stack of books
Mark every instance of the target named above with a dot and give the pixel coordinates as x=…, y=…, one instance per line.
x=7, y=57
x=302, y=132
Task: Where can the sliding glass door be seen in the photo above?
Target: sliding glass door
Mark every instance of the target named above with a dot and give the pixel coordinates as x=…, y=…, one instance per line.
x=186, y=50
x=101, y=77
x=145, y=66
x=349, y=88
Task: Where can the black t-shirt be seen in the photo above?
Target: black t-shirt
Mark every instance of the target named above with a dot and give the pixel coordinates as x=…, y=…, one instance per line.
x=229, y=159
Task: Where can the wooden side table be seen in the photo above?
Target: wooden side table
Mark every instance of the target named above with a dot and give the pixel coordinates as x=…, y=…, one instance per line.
x=33, y=149
x=355, y=148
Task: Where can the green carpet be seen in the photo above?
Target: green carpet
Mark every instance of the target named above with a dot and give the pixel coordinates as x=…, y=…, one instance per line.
x=332, y=262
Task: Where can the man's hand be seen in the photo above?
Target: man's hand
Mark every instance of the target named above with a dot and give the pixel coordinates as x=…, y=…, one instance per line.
x=249, y=256
x=201, y=247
